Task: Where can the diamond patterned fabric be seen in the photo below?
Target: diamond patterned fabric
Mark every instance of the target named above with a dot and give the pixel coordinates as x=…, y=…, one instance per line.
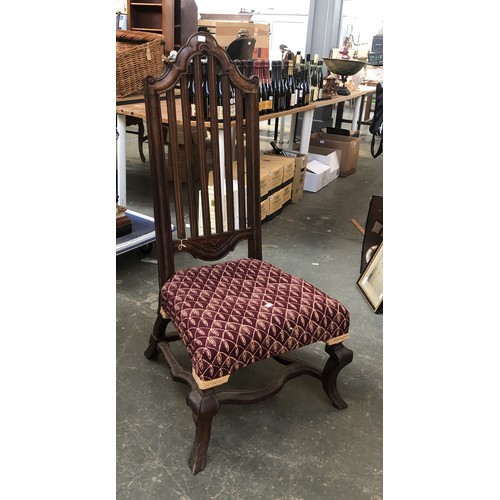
x=232, y=314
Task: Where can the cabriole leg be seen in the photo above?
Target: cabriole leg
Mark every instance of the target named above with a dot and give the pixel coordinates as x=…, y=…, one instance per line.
x=158, y=334
x=204, y=405
x=340, y=356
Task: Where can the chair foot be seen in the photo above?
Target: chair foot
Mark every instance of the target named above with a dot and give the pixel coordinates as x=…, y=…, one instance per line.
x=204, y=406
x=340, y=356
x=159, y=329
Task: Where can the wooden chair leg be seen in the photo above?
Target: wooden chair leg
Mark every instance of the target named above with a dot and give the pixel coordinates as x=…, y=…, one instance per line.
x=159, y=329
x=141, y=139
x=340, y=356
x=204, y=405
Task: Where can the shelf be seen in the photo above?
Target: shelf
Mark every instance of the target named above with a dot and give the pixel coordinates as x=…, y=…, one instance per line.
x=176, y=20
x=143, y=233
x=150, y=30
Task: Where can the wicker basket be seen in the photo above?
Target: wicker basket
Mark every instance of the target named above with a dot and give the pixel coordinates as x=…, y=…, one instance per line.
x=138, y=55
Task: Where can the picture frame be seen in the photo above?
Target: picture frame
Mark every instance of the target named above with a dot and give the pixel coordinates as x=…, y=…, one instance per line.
x=371, y=280
x=373, y=230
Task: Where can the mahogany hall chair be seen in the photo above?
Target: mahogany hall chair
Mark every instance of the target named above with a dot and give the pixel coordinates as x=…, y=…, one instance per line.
x=227, y=313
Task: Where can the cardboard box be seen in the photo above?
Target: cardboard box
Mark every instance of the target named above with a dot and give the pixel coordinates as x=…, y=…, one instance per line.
x=226, y=31
x=264, y=209
x=273, y=170
x=328, y=156
x=348, y=145
x=275, y=202
x=288, y=163
x=299, y=174
x=317, y=176
x=264, y=178
x=286, y=194
x=211, y=202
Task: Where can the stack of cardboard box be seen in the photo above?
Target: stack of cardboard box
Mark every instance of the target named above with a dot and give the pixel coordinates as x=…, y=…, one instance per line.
x=287, y=174
x=281, y=182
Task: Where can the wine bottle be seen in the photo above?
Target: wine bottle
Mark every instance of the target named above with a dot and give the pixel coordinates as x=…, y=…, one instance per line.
x=268, y=106
x=314, y=82
x=314, y=79
x=286, y=85
x=296, y=77
x=277, y=150
x=258, y=71
x=320, y=80
x=280, y=86
x=307, y=73
x=249, y=69
x=220, y=109
x=275, y=86
x=291, y=82
x=232, y=102
x=191, y=89
x=206, y=105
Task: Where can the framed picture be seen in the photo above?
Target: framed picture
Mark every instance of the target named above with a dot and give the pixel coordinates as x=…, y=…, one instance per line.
x=373, y=231
x=371, y=280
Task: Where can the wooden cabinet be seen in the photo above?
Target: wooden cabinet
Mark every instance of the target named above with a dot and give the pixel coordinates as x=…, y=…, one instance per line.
x=176, y=20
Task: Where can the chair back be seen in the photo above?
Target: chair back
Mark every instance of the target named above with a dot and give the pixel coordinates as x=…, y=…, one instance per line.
x=207, y=113
x=241, y=48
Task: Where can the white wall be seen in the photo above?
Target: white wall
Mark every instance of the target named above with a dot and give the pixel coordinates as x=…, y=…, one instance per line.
x=363, y=19
x=287, y=20
x=232, y=7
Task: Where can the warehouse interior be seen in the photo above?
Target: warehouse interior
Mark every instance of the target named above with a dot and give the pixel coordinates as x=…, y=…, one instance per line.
x=317, y=237
x=86, y=415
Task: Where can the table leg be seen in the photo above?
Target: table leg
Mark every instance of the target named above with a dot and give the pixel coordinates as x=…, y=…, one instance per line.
x=281, y=136
x=121, y=159
x=293, y=127
x=305, y=135
x=339, y=114
x=355, y=116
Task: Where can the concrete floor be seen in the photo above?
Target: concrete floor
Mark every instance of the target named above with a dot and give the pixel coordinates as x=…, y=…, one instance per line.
x=295, y=445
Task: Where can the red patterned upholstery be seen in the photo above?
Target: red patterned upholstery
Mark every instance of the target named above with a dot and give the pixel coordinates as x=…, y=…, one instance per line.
x=232, y=314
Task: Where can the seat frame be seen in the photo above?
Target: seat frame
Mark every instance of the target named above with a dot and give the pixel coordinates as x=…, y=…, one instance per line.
x=215, y=240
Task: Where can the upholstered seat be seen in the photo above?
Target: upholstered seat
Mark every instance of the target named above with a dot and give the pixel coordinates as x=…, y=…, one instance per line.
x=232, y=314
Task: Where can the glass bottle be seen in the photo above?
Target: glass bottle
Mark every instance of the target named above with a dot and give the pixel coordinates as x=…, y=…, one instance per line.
x=249, y=68
x=286, y=86
x=267, y=72
x=314, y=86
x=320, y=80
x=206, y=105
x=259, y=71
x=314, y=79
x=281, y=88
x=296, y=77
x=291, y=82
x=275, y=86
x=307, y=74
x=191, y=89
x=232, y=102
x=220, y=109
